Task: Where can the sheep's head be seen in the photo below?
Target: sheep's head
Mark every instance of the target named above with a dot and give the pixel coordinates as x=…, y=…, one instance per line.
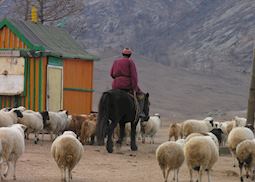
x=18, y=113
x=70, y=133
x=210, y=120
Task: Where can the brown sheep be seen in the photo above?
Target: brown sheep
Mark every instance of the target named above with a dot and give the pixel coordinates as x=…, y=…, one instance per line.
x=175, y=130
x=83, y=126
x=88, y=130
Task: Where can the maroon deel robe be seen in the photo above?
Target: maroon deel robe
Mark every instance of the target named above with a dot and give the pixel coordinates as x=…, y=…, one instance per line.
x=124, y=74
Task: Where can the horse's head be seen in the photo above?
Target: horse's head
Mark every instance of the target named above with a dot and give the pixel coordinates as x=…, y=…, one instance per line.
x=146, y=108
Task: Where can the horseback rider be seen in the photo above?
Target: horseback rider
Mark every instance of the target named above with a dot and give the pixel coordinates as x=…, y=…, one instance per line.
x=124, y=76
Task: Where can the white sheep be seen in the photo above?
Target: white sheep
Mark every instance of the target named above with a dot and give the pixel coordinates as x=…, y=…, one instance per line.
x=170, y=156
x=10, y=117
x=240, y=121
x=201, y=153
x=245, y=153
x=34, y=121
x=12, y=146
x=128, y=131
x=197, y=126
x=57, y=123
x=67, y=152
x=237, y=135
x=150, y=128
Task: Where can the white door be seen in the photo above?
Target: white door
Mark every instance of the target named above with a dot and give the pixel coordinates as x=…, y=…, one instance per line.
x=54, y=88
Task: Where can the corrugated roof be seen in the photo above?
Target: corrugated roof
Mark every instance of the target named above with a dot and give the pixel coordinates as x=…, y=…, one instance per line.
x=54, y=40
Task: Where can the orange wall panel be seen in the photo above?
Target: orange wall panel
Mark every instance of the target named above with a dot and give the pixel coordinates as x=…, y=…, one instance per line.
x=9, y=40
x=78, y=74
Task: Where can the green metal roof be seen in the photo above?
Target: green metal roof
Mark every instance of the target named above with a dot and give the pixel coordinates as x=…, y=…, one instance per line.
x=51, y=40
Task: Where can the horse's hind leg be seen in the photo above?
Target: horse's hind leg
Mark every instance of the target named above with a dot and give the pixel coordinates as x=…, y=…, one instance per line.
x=122, y=134
x=133, y=136
x=109, y=145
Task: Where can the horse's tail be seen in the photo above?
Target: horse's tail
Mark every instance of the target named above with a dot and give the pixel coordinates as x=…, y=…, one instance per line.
x=102, y=118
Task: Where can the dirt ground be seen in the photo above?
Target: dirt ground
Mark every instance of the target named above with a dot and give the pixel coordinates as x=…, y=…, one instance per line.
x=96, y=165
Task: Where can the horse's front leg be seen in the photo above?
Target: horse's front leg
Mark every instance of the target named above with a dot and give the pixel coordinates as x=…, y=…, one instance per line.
x=133, y=136
x=122, y=133
x=109, y=145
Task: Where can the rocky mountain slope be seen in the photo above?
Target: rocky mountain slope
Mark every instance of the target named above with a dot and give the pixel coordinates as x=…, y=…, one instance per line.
x=202, y=35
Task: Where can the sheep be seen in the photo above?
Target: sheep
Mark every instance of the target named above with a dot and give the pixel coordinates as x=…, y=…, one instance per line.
x=128, y=131
x=67, y=152
x=215, y=134
x=245, y=153
x=150, y=128
x=88, y=130
x=12, y=146
x=193, y=126
x=34, y=121
x=83, y=126
x=57, y=123
x=240, y=121
x=175, y=130
x=10, y=117
x=201, y=153
x=170, y=156
x=237, y=135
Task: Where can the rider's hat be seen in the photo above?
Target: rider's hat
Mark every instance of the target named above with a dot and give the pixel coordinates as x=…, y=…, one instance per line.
x=127, y=51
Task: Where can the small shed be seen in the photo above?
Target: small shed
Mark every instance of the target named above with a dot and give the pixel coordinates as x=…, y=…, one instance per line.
x=43, y=68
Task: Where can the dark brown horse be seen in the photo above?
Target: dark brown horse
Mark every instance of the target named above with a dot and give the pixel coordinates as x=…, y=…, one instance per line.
x=118, y=106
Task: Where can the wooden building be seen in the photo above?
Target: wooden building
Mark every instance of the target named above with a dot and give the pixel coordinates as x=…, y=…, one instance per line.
x=43, y=68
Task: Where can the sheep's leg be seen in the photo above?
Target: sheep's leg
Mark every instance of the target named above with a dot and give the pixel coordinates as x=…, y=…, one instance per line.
x=177, y=174
x=69, y=174
x=208, y=176
x=234, y=161
x=6, y=172
x=36, y=138
x=200, y=174
x=42, y=134
x=1, y=169
x=92, y=139
x=62, y=170
x=241, y=170
x=167, y=174
x=133, y=136
x=191, y=175
x=164, y=173
x=143, y=138
x=174, y=175
x=14, y=169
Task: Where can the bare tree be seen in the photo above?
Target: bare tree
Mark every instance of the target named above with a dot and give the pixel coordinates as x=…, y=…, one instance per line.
x=48, y=10
x=66, y=14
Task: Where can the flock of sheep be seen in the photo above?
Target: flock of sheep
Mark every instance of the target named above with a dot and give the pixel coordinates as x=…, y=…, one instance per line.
x=67, y=132
x=197, y=143
x=17, y=123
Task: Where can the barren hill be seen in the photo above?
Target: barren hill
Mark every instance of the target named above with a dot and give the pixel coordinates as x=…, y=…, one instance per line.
x=178, y=94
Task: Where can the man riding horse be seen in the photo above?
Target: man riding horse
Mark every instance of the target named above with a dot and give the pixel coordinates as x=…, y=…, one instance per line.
x=125, y=77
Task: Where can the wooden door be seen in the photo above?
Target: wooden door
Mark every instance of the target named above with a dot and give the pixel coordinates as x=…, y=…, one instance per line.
x=54, y=88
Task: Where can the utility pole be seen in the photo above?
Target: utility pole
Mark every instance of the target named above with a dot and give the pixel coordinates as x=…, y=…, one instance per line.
x=251, y=100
